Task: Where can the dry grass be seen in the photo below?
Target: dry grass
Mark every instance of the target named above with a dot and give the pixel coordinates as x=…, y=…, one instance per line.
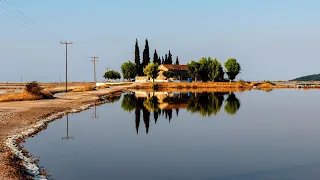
x=32, y=92
x=25, y=96
x=84, y=88
x=13, y=168
x=103, y=86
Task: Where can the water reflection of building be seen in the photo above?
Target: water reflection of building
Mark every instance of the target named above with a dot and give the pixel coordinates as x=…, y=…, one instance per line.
x=164, y=103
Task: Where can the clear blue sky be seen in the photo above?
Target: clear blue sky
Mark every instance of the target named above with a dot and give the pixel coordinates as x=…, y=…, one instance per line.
x=272, y=39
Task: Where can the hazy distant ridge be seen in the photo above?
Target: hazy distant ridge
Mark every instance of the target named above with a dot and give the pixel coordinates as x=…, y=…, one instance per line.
x=313, y=77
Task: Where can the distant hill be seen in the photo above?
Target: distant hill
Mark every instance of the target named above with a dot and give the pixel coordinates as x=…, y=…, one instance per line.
x=313, y=77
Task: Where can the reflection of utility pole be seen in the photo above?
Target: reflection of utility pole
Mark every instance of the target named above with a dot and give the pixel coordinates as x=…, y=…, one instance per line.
x=66, y=43
x=94, y=60
x=94, y=113
x=68, y=137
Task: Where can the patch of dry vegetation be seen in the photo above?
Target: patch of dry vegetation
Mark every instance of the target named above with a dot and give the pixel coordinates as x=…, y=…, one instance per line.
x=13, y=168
x=84, y=88
x=103, y=86
x=32, y=92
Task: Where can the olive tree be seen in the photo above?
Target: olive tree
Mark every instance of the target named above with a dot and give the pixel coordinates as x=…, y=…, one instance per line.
x=128, y=70
x=193, y=70
x=112, y=74
x=217, y=73
x=151, y=70
x=233, y=68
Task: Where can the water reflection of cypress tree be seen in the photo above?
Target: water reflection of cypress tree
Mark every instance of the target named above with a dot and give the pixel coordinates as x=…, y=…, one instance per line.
x=146, y=119
x=177, y=111
x=137, y=114
x=155, y=116
x=205, y=104
x=232, y=104
x=168, y=114
x=129, y=102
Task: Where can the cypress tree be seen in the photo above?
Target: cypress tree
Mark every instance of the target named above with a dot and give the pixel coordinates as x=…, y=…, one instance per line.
x=166, y=59
x=146, y=55
x=159, y=60
x=169, y=58
x=137, y=59
x=162, y=60
x=155, y=56
x=177, y=61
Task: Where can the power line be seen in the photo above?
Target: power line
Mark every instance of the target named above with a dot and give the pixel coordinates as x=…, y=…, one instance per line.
x=34, y=22
x=24, y=25
x=1, y=17
x=18, y=17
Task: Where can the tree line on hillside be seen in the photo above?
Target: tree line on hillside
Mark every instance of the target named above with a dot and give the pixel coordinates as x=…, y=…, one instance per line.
x=313, y=77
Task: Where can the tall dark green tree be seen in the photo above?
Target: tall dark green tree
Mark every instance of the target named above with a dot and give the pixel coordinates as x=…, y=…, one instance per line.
x=169, y=58
x=146, y=55
x=139, y=70
x=159, y=60
x=166, y=59
x=177, y=61
x=163, y=61
x=155, y=57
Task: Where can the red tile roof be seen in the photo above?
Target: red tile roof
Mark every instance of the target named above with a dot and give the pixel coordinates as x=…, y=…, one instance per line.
x=171, y=67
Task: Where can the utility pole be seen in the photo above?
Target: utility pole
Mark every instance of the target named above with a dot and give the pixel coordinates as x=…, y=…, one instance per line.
x=94, y=60
x=66, y=43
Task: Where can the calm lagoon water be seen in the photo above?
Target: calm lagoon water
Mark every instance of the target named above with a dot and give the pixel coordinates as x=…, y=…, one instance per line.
x=247, y=135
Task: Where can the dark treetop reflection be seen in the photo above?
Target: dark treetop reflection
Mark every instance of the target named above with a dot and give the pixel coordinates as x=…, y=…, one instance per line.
x=162, y=104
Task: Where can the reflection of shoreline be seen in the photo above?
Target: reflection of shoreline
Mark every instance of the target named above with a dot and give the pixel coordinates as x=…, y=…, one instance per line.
x=163, y=104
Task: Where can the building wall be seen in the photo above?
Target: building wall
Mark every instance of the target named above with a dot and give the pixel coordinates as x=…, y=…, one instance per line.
x=162, y=69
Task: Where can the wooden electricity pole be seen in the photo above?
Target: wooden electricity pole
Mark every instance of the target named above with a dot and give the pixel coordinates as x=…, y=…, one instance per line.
x=66, y=43
x=94, y=60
